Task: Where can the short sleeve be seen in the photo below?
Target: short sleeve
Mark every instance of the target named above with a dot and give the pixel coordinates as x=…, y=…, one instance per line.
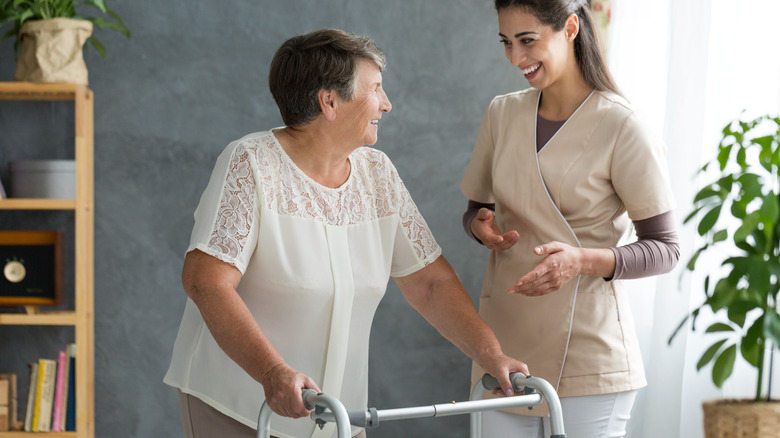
x=477, y=183
x=639, y=172
x=414, y=245
x=227, y=215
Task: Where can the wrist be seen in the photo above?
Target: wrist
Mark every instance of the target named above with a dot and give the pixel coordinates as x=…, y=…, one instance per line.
x=270, y=371
x=489, y=356
x=597, y=262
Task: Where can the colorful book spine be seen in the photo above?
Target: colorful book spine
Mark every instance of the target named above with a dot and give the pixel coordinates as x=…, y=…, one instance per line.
x=66, y=388
x=56, y=417
x=47, y=375
x=28, y=414
x=70, y=419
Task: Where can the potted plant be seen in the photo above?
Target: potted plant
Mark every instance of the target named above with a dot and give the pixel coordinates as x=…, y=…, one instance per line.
x=745, y=195
x=51, y=36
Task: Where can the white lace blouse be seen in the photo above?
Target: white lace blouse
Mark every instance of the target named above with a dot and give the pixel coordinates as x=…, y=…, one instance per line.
x=315, y=264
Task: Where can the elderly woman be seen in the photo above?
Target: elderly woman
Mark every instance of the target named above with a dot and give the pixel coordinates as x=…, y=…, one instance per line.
x=295, y=238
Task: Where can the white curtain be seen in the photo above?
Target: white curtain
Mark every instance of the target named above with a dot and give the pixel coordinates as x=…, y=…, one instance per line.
x=689, y=67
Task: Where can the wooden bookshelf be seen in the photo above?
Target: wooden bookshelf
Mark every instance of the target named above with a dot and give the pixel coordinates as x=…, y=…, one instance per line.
x=81, y=317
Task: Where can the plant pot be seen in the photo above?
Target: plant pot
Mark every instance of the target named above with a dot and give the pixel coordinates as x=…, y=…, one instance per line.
x=54, y=179
x=730, y=418
x=52, y=51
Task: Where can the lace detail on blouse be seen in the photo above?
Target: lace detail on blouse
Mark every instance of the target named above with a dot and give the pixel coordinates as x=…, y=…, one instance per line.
x=374, y=190
x=236, y=209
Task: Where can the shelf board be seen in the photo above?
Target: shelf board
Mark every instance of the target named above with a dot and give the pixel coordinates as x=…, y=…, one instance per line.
x=37, y=204
x=58, y=317
x=38, y=434
x=36, y=91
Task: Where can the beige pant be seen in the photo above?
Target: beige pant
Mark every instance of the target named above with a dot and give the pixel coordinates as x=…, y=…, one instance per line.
x=200, y=420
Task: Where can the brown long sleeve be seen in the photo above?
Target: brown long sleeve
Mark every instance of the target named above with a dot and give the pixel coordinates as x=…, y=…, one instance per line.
x=656, y=251
x=471, y=213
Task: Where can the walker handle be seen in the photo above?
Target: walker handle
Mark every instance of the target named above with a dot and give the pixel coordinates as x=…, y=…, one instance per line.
x=305, y=393
x=490, y=383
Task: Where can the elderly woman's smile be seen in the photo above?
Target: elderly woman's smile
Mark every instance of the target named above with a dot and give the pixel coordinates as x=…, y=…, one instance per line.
x=361, y=115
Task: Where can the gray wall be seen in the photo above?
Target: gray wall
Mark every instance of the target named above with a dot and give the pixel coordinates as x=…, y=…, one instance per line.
x=167, y=101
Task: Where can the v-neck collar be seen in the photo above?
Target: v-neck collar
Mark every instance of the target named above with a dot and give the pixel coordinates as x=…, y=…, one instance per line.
x=566, y=122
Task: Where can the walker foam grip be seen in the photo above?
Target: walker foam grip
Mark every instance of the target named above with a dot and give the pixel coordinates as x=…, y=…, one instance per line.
x=369, y=418
x=305, y=393
x=490, y=383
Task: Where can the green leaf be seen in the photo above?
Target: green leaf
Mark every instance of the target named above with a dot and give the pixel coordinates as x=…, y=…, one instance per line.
x=738, y=310
x=98, y=46
x=692, y=263
x=724, y=365
x=750, y=185
x=707, y=192
x=101, y=23
x=723, y=155
x=719, y=327
x=768, y=213
x=772, y=326
x=8, y=34
x=693, y=214
x=744, y=245
x=709, y=354
x=682, y=324
x=742, y=157
x=749, y=225
x=752, y=342
x=765, y=157
x=100, y=4
x=119, y=20
x=720, y=236
x=709, y=219
x=723, y=295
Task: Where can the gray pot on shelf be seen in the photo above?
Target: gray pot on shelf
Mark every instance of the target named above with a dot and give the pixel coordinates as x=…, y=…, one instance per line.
x=55, y=179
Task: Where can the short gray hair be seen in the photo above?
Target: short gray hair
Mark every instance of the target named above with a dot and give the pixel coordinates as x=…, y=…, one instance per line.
x=325, y=59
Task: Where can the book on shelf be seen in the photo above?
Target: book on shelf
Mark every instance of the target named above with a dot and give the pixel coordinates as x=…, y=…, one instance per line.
x=59, y=387
x=4, y=402
x=3, y=195
x=44, y=396
x=51, y=394
x=28, y=413
x=69, y=407
x=13, y=423
x=66, y=388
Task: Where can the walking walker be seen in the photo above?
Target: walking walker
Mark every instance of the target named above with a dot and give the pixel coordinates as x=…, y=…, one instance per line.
x=329, y=409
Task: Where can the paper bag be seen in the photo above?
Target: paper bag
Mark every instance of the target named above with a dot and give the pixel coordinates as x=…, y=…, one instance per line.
x=51, y=51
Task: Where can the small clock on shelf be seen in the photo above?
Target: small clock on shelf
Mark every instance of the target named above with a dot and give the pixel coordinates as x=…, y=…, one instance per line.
x=30, y=268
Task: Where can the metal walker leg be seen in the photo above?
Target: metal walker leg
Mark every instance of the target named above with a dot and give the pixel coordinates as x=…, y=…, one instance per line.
x=312, y=400
x=520, y=383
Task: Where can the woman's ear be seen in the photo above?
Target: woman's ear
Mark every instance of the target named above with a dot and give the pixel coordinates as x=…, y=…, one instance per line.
x=572, y=26
x=328, y=103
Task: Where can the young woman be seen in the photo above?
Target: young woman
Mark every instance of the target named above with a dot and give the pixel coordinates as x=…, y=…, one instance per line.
x=558, y=174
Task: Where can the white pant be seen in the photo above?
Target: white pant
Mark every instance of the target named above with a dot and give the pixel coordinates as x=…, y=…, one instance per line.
x=592, y=416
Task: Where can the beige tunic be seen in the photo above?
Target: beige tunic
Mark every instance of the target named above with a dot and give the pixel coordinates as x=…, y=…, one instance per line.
x=601, y=170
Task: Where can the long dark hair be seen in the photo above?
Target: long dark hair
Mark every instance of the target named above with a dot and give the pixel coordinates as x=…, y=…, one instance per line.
x=553, y=13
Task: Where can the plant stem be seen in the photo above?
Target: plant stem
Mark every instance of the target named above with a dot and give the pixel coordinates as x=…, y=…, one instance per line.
x=760, y=373
x=769, y=380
